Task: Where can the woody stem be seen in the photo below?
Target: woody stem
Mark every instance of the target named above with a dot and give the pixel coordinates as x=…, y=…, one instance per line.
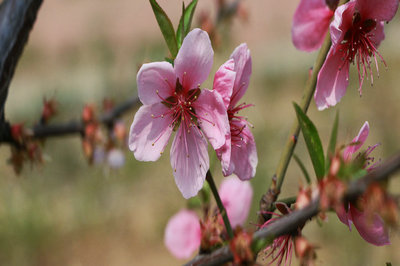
x=221, y=207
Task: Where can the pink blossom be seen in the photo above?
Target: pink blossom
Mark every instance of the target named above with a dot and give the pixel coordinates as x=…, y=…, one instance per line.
x=310, y=23
x=173, y=101
x=183, y=234
x=356, y=32
x=372, y=230
x=238, y=155
x=236, y=195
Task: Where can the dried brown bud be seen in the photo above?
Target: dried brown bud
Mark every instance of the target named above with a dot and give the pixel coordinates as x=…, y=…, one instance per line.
x=304, y=251
x=241, y=247
x=88, y=113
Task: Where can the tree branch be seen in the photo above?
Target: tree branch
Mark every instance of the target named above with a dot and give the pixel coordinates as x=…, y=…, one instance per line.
x=292, y=221
x=16, y=21
x=77, y=126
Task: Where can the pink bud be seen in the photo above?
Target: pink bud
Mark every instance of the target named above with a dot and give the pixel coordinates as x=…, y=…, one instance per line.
x=182, y=234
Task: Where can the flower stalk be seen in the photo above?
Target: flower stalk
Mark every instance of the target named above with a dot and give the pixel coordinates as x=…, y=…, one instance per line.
x=221, y=207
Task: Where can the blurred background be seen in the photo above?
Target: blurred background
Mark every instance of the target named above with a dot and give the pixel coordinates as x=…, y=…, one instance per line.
x=65, y=212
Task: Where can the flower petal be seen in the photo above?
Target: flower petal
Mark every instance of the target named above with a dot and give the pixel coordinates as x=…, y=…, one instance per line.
x=377, y=34
x=310, y=24
x=333, y=79
x=373, y=231
x=224, y=155
x=194, y=60
x=153, y=77
x=244, y=154
x=212, y=117
x=224, y=80
x=381, y=10
x=183, y=234
x=344, y=217
x=243, y=68
x=146, y=131
x=236, y=196
x=360, y=139
x=189, y=159
x=342, y=22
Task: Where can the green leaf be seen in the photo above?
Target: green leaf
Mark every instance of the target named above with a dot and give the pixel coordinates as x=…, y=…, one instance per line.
x=185, y=22
x=303, y=168
x=313, y=142
x=332, y=143
x=166, y=28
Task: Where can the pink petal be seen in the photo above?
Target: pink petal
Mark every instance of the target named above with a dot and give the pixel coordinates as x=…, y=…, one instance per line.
x=333, y=79
x=342, y=22
x=212, y=117
x=378, y=35
x=244, y=155
x=236, y=196
x=224, y=155
x=146, y=131
x=153, y=77
x=373, y=232
x=310, y=24
x=189, y=160
x=194, y=60
x=360, y=138
x=243, y=67
x=183, y=234
x=224, y=80
x=381, y=10
x=344, y=217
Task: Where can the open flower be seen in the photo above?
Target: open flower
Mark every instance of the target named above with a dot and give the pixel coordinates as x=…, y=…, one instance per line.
x=185, y=233
x=356, y=32
x=173, y=101
x=370, y=227
x=311, y=22
x=238, y=155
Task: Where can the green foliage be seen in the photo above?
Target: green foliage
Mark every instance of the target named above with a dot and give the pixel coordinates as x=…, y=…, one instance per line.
x=313, y=142
x=185, y=22
x=166, y=28
x=332, y=143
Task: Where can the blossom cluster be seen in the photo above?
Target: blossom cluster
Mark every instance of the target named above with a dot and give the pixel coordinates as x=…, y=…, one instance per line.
x=173, y=101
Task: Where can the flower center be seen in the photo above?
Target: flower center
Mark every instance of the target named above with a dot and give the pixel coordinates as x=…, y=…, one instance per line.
x=359, y=47
x=180, y=106
x=237, y=124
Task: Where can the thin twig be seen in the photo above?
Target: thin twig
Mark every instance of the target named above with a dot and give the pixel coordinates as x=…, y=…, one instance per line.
x=221, y=207
x=77, y=126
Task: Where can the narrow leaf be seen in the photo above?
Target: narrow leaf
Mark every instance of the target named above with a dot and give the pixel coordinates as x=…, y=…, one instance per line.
x=166, y=28
x=185, y=22
x=332, y=143
x=180, y=32
x=313, y=142
x=302, y=167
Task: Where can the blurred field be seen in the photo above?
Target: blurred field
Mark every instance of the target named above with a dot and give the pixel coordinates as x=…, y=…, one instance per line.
x=68, y=213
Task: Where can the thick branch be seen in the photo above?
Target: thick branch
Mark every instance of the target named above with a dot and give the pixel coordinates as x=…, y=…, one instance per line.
x=292, y=221
x=16, y=21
